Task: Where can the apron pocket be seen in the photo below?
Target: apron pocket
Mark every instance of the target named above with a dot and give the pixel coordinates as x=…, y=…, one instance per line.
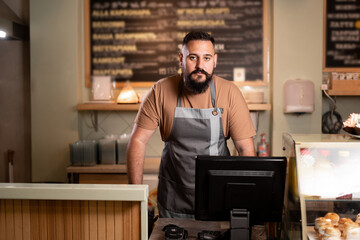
x=175, y=197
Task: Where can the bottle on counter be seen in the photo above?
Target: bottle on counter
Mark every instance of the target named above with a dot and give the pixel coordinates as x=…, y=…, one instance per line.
x=263, y=147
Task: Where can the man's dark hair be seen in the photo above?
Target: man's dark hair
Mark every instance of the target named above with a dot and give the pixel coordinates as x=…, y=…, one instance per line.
x=198, y=35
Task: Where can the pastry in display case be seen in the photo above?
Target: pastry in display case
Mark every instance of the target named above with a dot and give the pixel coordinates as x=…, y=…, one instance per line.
x=323, y=188
x=352, y=125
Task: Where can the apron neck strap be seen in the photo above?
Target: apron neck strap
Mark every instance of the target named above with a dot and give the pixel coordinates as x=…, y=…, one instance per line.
x=212, y=92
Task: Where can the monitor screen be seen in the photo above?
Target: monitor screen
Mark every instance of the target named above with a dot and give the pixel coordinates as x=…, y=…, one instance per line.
x=224, y=183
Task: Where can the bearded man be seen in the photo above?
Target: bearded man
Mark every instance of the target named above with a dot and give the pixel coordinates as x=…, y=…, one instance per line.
x=196, y=112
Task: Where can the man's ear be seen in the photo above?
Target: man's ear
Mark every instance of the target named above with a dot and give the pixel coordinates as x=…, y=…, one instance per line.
x=180, y=59
x=215, y=60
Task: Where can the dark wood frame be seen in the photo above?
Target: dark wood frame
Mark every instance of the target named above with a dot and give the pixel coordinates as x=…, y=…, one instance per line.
x=266, y=52
x=332, y=69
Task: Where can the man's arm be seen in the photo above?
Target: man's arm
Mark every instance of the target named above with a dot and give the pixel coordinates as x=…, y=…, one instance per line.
x=245, y=147
x=135, y=153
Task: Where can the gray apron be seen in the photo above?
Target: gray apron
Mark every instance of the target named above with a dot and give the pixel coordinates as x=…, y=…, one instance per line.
x=194, y=132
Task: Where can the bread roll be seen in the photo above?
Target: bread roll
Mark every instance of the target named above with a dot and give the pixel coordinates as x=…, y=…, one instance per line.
x=351, y=231
x=357, y=218
x=321, y=221
x=331, y=233
x=342, y=222
x=334, y=217
x=322, y=229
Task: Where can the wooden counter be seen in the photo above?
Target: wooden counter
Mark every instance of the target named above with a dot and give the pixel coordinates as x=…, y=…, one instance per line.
x=73, y=211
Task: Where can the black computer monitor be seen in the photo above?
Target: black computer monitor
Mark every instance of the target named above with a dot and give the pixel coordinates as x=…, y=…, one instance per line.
x=254, y=184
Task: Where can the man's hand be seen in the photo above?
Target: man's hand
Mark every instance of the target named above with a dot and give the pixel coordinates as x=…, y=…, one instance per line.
x=136, y=152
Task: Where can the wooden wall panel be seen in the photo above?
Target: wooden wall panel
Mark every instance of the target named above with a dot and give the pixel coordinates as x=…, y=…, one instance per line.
x=26, y=218
x=110, y=220
x=71, y=214
x=2, y=220
x=84, y=219
x=135, y=221
x=9, y=213
x=43, y=222
x=127, y=220
x=73, y=220
x=69, y=220
x=17, y=220
x=101, y=220
x=51, y=214
x=59, y=221
x=119, y=221
x=34, y=220
x=93, y=220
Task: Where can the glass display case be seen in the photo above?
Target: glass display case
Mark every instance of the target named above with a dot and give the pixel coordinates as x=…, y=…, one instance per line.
x=323, y=177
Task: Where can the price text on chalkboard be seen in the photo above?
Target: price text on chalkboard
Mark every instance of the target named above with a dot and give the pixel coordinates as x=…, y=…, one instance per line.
x=342, y=34
x=140, y=40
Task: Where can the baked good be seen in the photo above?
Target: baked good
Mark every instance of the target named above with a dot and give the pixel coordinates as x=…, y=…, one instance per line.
x=341, y=224
x=357, y=218
x=322, y=229
x=352, y=120
x=331, y=233
x=352, y=124
x=351, y=231
x=334, y=217
x=321, y=221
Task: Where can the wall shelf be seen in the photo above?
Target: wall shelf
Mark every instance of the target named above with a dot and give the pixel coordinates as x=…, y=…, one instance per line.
x=108, y=107
x=259, y=106
x=345, y=88
x=135, y=107
x=346, y=92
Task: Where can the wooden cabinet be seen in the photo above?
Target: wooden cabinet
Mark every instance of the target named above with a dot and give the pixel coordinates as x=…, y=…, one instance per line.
x=73, y=211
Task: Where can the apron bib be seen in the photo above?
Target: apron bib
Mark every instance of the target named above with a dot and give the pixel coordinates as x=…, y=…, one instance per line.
x=194, y=132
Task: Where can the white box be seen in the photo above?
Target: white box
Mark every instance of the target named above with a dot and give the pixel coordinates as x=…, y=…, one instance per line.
x=239, y=74
x=101, y=88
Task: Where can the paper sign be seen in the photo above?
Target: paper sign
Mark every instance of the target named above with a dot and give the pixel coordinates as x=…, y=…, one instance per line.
x=239, y=74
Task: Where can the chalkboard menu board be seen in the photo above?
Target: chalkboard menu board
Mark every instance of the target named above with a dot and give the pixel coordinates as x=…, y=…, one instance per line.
x=342, y=34
x=140, y=40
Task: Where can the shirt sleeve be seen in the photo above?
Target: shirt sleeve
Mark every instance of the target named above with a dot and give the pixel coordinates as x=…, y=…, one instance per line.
x=147, y=116
x=240, y=123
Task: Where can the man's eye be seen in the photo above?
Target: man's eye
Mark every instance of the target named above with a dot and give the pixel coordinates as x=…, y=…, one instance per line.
x=207, y=58
x=192, y=58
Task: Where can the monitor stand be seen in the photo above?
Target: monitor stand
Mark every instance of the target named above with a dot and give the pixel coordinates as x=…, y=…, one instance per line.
x=239, y=224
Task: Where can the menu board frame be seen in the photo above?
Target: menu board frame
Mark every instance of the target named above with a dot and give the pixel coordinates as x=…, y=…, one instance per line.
x=326, y=46
x=265, y=51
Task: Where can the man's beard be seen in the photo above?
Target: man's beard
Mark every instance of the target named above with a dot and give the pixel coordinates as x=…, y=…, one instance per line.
x=198, y=87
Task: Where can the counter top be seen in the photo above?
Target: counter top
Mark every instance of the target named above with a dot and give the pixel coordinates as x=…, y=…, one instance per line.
x=322, y=138
x=151, y=165
x=115, y=192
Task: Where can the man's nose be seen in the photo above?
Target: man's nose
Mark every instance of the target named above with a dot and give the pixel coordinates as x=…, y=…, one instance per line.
x=200, y=63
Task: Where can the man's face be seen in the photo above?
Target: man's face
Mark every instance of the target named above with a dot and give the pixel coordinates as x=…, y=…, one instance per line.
x=197, y=61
